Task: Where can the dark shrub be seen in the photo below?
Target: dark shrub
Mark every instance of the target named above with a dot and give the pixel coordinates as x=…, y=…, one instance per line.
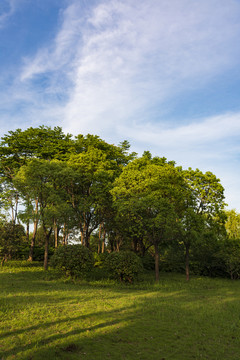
x=12, y=237
x=73, y=260
x=148, y=261
x=124, y=265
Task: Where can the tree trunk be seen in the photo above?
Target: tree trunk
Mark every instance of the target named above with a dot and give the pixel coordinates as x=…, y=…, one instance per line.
x=65, y=235
x=156, y=261
x=85, y=235
x=82, y=238
x=30, y=257
x=187, y=261
x=16, y=208
x=99, y=239
x=47, y=236
x=55, y=234
x=103, y=241
x=27, y=232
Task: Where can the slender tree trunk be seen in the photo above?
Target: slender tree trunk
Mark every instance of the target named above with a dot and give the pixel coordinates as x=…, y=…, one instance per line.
x=13, y=217
x=87, y=244
x=99, y=239
x=35, y=225
x=117, y=245
x=85, y=236
x=55, y=234
x=16, y=208
x=27, y=232
x=103, y=241
x=82, y=238
x=156, y=261
x=187, y=261
x=65, y=235
x=47, y=236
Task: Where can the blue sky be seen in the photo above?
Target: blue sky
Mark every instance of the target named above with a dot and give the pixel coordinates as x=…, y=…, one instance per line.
x=163, y=74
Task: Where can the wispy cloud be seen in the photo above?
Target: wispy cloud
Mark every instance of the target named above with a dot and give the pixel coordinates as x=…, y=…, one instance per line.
x=134, y=56
x=7, y=9
x=60, y=52
x=114, y=67
x=203, y=131
x=120, y=60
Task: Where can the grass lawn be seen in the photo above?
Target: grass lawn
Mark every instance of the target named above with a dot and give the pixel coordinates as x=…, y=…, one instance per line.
x=46, y=317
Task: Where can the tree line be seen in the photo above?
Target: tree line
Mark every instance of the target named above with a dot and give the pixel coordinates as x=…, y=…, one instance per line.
x=110, y=199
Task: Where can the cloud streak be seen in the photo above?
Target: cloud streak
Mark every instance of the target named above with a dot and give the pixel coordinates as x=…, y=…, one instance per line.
x=134, y=58
x=115, y=68
x=7, y=9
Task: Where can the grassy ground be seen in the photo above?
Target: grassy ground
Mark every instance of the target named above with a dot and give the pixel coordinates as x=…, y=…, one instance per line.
x=44, y=317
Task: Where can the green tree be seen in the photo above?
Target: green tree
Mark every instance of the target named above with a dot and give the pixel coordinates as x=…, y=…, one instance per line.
x=203, y=208
x=150, y=191
x=12, y=236
x=233, y=224
x=17, y=148
x=94, y=167
x=43, y=180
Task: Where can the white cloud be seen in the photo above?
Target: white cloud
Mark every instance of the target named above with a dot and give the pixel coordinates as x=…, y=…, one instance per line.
x=61, y=52
x=122, y=58
x=114, y=66
x=202, y=131
x=136, y=55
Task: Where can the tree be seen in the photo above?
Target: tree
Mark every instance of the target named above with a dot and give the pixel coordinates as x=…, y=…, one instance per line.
x=150, y=191
x=203, y=208
x=233, y=224
x=19, y=147
x=94, y=167
x=43, y=180
x=12, y=236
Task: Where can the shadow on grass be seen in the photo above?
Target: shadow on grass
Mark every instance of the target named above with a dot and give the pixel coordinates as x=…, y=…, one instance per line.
x=173, y=320
x=156, y=329
x=45, y=341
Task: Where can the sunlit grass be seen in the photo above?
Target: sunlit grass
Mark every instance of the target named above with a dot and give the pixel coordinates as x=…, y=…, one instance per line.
x=44, y=316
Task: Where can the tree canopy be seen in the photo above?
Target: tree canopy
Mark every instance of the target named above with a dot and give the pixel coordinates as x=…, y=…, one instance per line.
x=78, y=187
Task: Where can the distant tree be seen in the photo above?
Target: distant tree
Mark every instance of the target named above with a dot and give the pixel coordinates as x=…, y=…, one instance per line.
x=233, y=224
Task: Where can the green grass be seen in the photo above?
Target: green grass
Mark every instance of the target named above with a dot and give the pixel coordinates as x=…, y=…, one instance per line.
x=45, y=317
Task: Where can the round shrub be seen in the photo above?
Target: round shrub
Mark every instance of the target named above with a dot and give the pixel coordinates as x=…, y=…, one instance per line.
x=73, y=260
x=124, y=265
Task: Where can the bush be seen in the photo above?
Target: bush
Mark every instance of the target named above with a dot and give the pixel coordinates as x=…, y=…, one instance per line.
x=73, y=260
x=124, y=265
x=12, y=238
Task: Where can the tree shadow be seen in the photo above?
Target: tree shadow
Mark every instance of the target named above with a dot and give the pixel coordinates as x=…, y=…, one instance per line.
x=179, y=322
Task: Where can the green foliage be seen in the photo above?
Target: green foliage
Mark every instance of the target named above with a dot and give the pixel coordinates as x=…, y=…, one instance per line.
x=12, y=237
x=233, y=224
x=149, y=194
x=148, y=261
x=229, y=255
x=73, y=260
x=99, y=259
x=124, y=265
x=38, y=254
x=103, y=192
